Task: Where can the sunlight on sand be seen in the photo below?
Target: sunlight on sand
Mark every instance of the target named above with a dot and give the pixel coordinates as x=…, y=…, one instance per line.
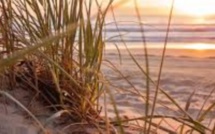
x=192, y=46
x=200, y=50
x=200, y=46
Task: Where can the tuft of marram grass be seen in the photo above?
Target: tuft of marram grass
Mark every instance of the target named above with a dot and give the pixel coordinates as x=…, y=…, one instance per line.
x=65, y=47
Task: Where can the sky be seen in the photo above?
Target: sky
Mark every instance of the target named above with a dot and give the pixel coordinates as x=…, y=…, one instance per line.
x=197, y=8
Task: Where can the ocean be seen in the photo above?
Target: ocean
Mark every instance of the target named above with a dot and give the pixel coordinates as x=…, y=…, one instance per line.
x=183, y=31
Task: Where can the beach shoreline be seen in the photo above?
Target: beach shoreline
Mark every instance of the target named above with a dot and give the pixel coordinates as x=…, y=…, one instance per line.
x=182, y=76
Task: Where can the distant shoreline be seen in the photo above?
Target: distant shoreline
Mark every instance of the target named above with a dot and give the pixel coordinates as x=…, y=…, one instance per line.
x=170, y=52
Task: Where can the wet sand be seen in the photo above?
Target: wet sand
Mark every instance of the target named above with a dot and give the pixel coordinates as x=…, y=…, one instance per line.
x=183, y=74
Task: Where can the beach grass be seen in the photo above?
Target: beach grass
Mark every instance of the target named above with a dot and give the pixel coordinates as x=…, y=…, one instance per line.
x=60, y=38
x=61, y=45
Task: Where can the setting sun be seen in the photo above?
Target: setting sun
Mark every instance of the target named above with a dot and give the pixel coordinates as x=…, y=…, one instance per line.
x=195, y=7
x=200, y=46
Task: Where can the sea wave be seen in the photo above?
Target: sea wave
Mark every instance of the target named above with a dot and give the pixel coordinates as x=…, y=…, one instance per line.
x=157, y=33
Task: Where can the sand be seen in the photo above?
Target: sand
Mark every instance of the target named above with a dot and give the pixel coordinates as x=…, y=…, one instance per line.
x=183, y=74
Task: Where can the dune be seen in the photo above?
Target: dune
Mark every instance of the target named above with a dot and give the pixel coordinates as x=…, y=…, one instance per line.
x=181, y=77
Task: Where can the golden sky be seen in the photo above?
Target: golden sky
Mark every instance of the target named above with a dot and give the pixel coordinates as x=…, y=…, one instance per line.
x=196, y=8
